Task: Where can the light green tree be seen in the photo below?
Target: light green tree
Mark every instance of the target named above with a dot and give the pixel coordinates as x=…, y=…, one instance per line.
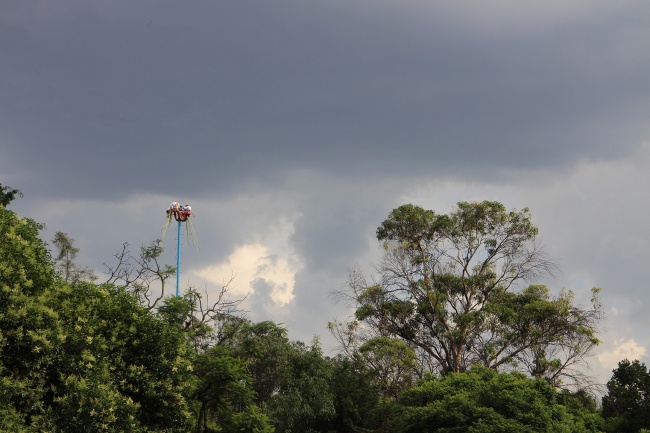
x=82, y=357
x=27, y=327
x=117, y=366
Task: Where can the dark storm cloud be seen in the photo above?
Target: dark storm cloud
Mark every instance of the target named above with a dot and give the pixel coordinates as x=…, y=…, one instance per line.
x=108, y=99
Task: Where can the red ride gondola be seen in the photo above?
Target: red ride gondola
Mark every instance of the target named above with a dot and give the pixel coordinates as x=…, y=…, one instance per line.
x=181, y=214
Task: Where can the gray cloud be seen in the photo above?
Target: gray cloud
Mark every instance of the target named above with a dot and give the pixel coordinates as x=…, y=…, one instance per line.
x=234, y=91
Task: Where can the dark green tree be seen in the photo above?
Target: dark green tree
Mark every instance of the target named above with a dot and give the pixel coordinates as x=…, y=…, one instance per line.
x=304, y=401
x=450, y=286
x=265, y=348
x=626, y=405
x=225, y=395
x=8, y=194
x=357, y=396
x=291, y=380
x=483, y=401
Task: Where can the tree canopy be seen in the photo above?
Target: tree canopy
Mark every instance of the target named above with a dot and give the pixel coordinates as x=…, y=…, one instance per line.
x=483, y=401
x=8, y=194
x=85, y=357
x=453, y=288
x=626, y=405
x=446, y=325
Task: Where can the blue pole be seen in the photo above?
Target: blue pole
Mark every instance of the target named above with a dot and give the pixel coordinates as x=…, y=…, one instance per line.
x=178, y=261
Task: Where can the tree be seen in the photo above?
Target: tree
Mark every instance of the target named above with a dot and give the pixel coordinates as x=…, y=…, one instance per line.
x=224, y=391
x=116, y=363
x=225, y=395
x=146, y=277
x=449, y=286
x=291, y=380
x=392, y=362
x=627, y=403
x=483, y=401
x=357, y=396
x=65, y=259
x=143, y=275
x=26, y=265
x=304, y=401
x=26, y=326
x=8, y=194
x=81, y=357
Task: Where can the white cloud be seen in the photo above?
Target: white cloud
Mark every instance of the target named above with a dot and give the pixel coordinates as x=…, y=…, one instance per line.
x=250, y=263
x=623, y=349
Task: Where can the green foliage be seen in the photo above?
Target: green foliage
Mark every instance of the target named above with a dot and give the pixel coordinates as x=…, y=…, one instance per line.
x=483, y=401
x=545, y=326
x=82, y=357
x=291, y=380
x=76, y=356
x=225, y=395
x=265, y=348
x=626, y=407
x=26, y=326
x=357, y=397
x=114, y=349
x=412, y=224
x=26, y=265
x=304, y=401
x=176, y=311
x=8, y=194
x=393, y=363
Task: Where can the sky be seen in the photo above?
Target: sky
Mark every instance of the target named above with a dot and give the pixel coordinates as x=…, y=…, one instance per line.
x=293, y=128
